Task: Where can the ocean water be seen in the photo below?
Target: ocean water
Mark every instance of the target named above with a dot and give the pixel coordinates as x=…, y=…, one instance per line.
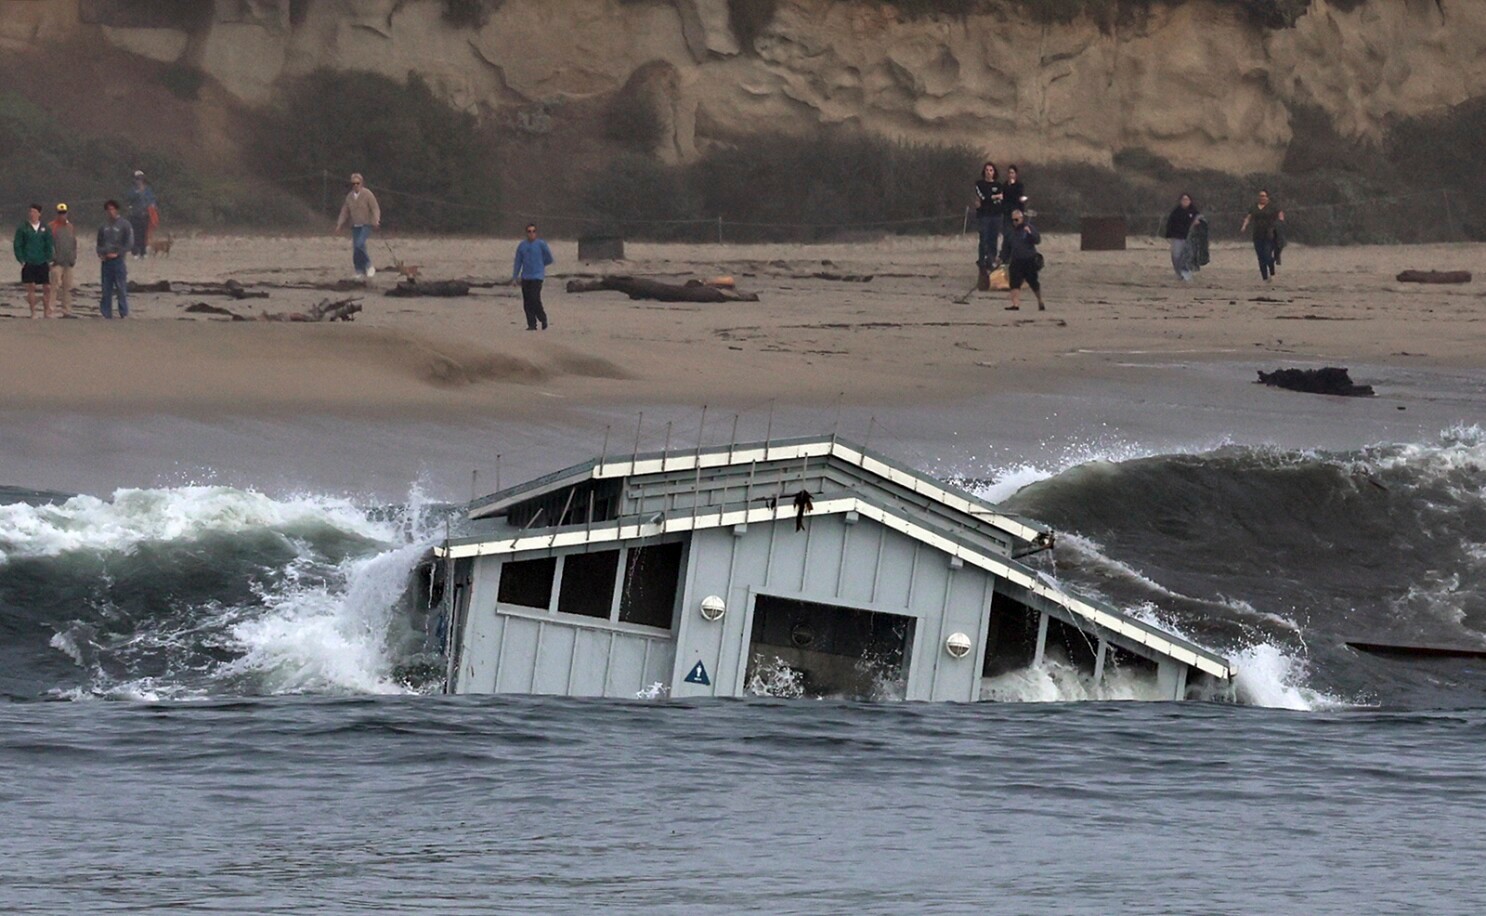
x=215, y=700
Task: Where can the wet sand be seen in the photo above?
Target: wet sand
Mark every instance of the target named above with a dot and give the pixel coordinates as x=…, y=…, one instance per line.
x=1125, y=357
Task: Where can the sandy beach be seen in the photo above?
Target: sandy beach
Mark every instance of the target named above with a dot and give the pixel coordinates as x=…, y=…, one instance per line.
x=451, y=373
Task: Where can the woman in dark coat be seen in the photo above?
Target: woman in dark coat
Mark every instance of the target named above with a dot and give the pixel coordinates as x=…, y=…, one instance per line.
x=989, y=199
x=1178, y=227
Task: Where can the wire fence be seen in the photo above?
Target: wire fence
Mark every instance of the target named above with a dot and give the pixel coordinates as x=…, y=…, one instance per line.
x=1382, y=219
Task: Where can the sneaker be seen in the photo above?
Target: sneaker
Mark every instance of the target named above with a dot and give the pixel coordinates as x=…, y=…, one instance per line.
x=1013, y=308
x=371, y=271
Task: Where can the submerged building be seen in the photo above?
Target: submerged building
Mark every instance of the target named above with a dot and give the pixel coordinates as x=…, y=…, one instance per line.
x=809, y=567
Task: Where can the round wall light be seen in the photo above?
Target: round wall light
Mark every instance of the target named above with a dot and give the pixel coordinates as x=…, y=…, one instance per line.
x=957, y=645
x=713, y=608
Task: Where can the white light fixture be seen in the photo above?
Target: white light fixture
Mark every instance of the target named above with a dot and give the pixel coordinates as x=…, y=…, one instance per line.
x=957, y=645
x=713, y=608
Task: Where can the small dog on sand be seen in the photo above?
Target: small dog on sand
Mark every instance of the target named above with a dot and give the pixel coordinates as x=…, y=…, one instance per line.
x=408, y=271
x=161, y=247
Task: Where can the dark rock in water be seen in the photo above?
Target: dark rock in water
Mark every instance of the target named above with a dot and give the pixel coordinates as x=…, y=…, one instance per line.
x=1330, y=380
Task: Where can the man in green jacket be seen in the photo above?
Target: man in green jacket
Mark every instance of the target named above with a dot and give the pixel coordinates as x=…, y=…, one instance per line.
x=34, y=249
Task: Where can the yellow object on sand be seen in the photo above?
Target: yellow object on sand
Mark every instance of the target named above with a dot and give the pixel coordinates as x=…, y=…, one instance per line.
x=999, y=278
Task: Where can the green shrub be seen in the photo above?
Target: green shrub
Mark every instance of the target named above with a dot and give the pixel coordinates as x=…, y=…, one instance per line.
x=425, y=159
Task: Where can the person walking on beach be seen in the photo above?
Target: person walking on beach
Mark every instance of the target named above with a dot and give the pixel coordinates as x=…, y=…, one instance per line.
x=1023, y=261
x=33, y=249
x=532, y=259
x=1178, y=228
x=362, y=214
x=115, y=240
x=1014, y=195
x=1265, y=218
x=64, y=259
x=144, y=214
x=990, y=198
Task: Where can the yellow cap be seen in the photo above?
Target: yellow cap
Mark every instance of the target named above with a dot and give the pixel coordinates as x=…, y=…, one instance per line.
x=61, y=208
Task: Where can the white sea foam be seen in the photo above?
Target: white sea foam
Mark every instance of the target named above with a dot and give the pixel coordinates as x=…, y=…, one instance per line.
x=134, y=516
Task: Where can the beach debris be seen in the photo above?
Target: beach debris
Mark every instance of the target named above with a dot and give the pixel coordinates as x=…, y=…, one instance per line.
x=1330, y=380
x=1409, y=650
x=642, y=288
x=325, y=310
x=203, y=308
x=408, y=289
x=1434, y=276
x=159, y=286
x=839, y=278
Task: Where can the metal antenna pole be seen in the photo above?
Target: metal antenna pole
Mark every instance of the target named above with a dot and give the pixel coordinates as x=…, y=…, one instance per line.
x=604, y=451
x=868, y=444
x=497, y=472
x=769, y=430
x=474, y=484
x=638, y=423
x=665, y=449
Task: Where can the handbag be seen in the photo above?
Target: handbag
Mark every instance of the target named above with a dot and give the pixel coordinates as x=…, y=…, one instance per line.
x=1000, y=279
x=1039, y=260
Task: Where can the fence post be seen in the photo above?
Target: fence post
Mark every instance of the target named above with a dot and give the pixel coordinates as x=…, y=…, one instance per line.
x=719, y=230
x=1449, y=217
x=325, y=191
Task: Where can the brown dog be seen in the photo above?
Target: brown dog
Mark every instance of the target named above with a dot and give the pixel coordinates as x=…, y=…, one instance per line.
x=162, y=246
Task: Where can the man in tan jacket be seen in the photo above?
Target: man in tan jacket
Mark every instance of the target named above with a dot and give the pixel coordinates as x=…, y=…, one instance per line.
x=361, y=212
x=64, y=259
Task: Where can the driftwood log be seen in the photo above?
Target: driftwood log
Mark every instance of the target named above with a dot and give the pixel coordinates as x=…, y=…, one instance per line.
x=159, y=286
x=411, y=288
x=1434, y=276
x=642, y=288
x=1330, y=380
x=203, y=308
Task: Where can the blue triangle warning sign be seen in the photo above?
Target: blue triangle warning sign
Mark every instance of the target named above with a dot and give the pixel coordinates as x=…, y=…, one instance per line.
x=698, y=675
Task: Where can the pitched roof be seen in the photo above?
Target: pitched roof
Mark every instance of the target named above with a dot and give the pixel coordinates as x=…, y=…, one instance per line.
x=871, y=464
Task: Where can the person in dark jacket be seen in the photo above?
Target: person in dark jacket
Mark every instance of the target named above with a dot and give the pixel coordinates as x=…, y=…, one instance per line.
x=1023, y=262
x=1265, y=218
x=144, y=213
x=1015, y=194
x=115, y=241
x=990, y=199
x=34, y=249
x=1178, y=228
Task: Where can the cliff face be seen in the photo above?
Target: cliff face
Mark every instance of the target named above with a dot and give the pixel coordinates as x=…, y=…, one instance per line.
x=1195, y=82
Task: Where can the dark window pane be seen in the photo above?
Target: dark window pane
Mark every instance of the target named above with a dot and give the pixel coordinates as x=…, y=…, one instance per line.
x=588, y=583
x=527, y=582
x=651, y=575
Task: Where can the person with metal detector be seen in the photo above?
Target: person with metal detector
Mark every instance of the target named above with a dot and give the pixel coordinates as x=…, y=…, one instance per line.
x=1023, y=261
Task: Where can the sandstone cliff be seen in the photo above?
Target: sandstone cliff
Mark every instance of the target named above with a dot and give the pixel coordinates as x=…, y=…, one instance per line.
x=1196, y=83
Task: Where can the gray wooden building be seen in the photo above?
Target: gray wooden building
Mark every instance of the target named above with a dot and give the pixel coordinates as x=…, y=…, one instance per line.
x=804, y=567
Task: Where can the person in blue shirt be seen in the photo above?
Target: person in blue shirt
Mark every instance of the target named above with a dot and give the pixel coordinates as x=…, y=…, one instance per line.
x=532, y=258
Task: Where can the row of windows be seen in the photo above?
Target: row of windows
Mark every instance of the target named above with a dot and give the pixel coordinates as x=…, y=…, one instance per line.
x=586, y=584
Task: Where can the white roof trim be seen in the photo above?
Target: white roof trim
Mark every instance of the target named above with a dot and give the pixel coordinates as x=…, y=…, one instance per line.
x=604, y=469
x=991, y=563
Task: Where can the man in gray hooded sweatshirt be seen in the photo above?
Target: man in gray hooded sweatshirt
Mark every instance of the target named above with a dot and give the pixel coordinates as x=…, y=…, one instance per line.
x=115, y=239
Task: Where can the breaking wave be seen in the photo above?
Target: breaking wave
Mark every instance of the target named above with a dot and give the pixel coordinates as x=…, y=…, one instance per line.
x=1276, y=558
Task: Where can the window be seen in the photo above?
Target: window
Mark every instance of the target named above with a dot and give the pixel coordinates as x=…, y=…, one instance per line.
x=527, y=583
x=588, y=583
x=651, y=575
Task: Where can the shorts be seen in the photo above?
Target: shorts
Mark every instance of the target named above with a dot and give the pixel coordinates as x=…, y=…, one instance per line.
x=1022, y=271
x=40, y=274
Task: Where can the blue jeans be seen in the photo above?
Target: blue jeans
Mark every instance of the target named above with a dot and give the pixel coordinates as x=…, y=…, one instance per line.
x=1264, y=249
x=990, y=238
x=115, y=280
x=359, y=257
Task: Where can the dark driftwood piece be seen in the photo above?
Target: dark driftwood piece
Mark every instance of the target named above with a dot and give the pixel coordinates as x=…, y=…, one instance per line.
x=202, y=308
x=641, y=288
x=410, y=288
x=326, y=310
x=1330, y=380
x=1434, y=276
x=159, y=286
